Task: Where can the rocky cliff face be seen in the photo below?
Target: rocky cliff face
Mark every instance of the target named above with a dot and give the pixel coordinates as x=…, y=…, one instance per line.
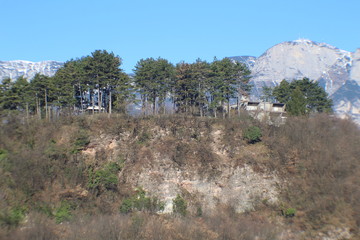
x=15, y=69
x=336, y=70
x=221, y=181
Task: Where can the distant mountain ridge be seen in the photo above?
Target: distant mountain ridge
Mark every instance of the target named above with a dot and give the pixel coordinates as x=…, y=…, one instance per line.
x=336, y=70
x=17, y=68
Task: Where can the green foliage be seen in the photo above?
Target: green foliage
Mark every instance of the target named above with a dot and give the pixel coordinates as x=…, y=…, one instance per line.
x=15, y=95
x=141, y=202
x=126, y=206
x=191, y=85
x=44, y=208
x=297, y=103
x=252, y=134
x=179, y=205
x=102, y=70
x=104, y=178
x=4, y=164
x=199, y=211
x=81, y=141
x=228, y=80
x=282, y=92
x=152, y=78
x=63, y=212
x=290, y=212
x=13, y=216
x=303, y=92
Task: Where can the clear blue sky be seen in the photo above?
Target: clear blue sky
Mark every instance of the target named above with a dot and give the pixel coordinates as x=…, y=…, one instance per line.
x=176, y=30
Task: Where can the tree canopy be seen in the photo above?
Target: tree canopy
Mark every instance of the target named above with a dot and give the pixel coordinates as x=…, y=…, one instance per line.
x=303, y=96
x=97, y=83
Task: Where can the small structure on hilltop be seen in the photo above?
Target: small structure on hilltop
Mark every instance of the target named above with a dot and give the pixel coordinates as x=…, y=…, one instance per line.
x=273, y=113
x=265, y=106
x=95, y=108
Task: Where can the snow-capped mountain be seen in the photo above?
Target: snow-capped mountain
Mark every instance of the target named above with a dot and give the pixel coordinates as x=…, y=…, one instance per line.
x=15, y=69
x=336, y=70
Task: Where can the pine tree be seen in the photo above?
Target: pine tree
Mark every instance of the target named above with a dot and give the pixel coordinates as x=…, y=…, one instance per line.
x=43, y=88
x=6, y=96
x=153, y=80
x=201, y=73
x=228, y=80
x=282, y=92
x=296, y=106
x=316, y=99
x=103, y=71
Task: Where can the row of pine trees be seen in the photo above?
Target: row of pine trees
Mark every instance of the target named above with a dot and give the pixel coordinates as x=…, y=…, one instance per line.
x=97, y=82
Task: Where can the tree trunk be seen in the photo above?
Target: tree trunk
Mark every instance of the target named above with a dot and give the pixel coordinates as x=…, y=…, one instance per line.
x=228, y=108
x=38, y=109
x=27, y=111
x=46, y=106
x=99, y=100
x=93, y=103
x=81, y=99
x=222, y=109
x=74, y=97
x=110, y=102
x=154, y=105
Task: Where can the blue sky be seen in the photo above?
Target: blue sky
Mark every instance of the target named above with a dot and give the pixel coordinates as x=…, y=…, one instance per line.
x=176, y=30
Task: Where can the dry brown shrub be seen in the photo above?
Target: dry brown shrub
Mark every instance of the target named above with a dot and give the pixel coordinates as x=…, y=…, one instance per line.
x=323, y=153
x=38, y=227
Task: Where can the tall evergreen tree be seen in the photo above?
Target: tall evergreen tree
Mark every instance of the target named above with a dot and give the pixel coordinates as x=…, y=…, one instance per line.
x=21, y=89
x=190, y=87
x=153, y=80
x=296, y=106
x=43, y=89
x=201, y=72
x=6, y=95
x=282, y=92
x=185, y=87
x=70, y=81
x=103, y=70
x=229, y=80
x=316, y=99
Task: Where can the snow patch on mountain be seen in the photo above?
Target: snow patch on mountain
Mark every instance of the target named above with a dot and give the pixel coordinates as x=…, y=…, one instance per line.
x=27, y=69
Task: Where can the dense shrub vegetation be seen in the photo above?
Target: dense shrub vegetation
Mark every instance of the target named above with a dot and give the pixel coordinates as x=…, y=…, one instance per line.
x=252, y=134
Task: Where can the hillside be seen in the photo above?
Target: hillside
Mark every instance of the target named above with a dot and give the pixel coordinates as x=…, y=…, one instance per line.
x=95, y=177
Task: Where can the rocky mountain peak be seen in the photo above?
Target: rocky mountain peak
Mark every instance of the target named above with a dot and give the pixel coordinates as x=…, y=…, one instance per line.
x=303, y=58
x=336, y=70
